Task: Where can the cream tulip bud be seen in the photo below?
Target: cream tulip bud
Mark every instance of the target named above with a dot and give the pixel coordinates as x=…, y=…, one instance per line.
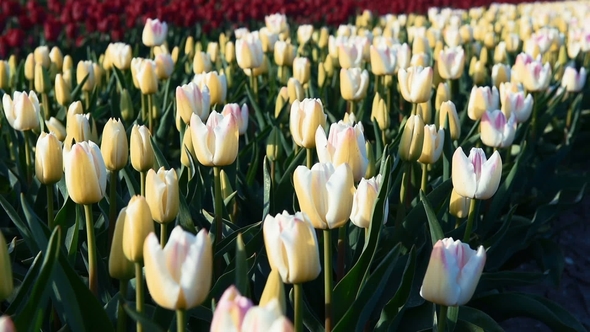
x=190, y=99
x=432, y=147
x=302, y=69
x=63, y=93
x=410, y=146
x=292, y=247
x=68, y=64
x=189, y=46
x=145, y=74
x=481, y=100
x=304, y=33
x=187, y=149
x=56, y=58
x=536, y=76
x=216, y=142
x=86, y=173
x=41, y=55
x=22, y=112
x=79, y=128
x=57, y=128
x=295, y=90
x=443, y=93
x=141, y=150
x=267, y=39
x=325, y=194
x=99, y=74
x=353, y=83
x=4, y=75
x=459, y=205
x=267, y=318
x=514, y=103
x=240, y=114
x=230, y=52
x=451, y=63
x=284, y=53
x=164, y=66
x=48, y=159
x=453, y=273
x=249, y=52
x=363, y=204
x=345, y=144
x=573, y=80
x=496, y=131
x=448, y=115
x=30, y=67
x=83, y=70
x=383, y=59
x=274, y=290
x=7, y=284
x=154, y=33
x=217, y=85
x=138, y=225
x=404, y=56
x=415, y=84
x=162, y=194
x=230, y=311
x=476, y=176
x=305, y=118
x=42, y=84
x=201, y=63
x=114, y=146
x=120, y=54
x=349, y=55
x=120, y=267
x=380, y=113
x=500, y=74
x=213, y=51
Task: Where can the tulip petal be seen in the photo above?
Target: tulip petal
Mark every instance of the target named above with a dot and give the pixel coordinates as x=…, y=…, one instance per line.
x=201, y=141
x=470, y=274
x=306, y=195
x=463, y=175
x=340, y=190
x=196, y=269
x=321, y=144
x=491, y=174
x=163, y=289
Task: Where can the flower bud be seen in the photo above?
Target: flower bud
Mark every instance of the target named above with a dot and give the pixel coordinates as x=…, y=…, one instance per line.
x=448, y=115
x=273, y=147
x=30, y=67
x=268, y=39
x=213, y=51
x=443, y=93
x=56, y=58
x=4, y=75
x=42, y=84
x=496, y=131
x=230, y=52
x=48, y=159
x=536, y=76
x=459, y=205
x=201, y=63
x=295, y=90
x=304, y=33
x=345, y=144
x=83, y=70
x=85, y=173
x=372, y=167
x=363, y=204
x=274, y=289
x=217, y=85
x=284, y=53
x=162, y=194
x=302, y=69
x=267, y=318
x=425, y=111
x=240, y=114
x=230, y=311
x=433, y=144
x=249, y=52
x=154, y=33
x=98, y=74
x=482, y=99
x=191, y=100
x=114, y=146
x=478, y=71
x=142, y=152
x=353, y=83
x=126, y=105
x=573, y=80
x=145, y=74
x=410, y=146
x=41, y=55
x=120, y=267
x=57, y=128
x=164, y=66
x=68, y=64
x=500, y=74
x=380, y=113
x=415, y=84
x=476, y=176
x=22, y=113
x=216, y=142
x=305, y=118
x=7, y=283
x=186, y=149
x=80, y=128
x=138, y=225
x=63, y=93
x=383, y=59
x=451, y=63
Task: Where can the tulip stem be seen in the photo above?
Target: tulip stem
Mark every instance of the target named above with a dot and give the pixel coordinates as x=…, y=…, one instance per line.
x=27, y=156
x=112, y=205
x=442, y=319
x=90, y=241
x=298, y=307
x=50, y=219
x=218, y=203
x=149, y=113
x=87, y=100
x=138, y=293
x=142, y=182
x=45, y=101
x=424, y=182
x=143, y=112
x=533, y=132
x=121, y=316
x=328, y=279
x=309, y=158
x=180, y=319
x=351, y=108
x=341, y=252
x=470, y=219
x=163, y=234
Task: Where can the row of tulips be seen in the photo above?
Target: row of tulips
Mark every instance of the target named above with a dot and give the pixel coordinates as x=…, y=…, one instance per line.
x=203, y=144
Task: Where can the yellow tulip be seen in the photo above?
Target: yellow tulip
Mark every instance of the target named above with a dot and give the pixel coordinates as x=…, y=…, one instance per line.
x=120, y=267
x=138, y=225
x=86, y=174
x=114, y=146
x=7, y=284
x=48, y=159
x=162, y=194
x=142, y=152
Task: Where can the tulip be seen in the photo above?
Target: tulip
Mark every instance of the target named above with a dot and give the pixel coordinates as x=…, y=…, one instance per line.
x=344, y=144
x=249, y=52
x=240, y=114
x=262, y=70
x=213, y=51
x=276, y=23
x=56, y=58
x=295, y=90
x=514, y=103
x=217, y=85
x=30, y=67
x=410, y=146
x=192, y=100
x=302, y=69
x=83, y=70
x=79, y=128
x=164, y=66
x=292, y=247
x=536, y=76
x=451, y=63
x=154, y=33
x=325, y=194
x=353, y=83
x=86, y=174
x=404, y=55
x=22, y=113
x=274, y=289
x=448, y=109
x=7, y=285
x=145, y=74
x=62, y=91
x=481, y=100
x=453, y=273
x=496, y=130
x=415, y=84
x=142, y=152
x=41, y=55
x=42, y=84
x=120, y=267
x=305, y=118
x=459, y=205
x=4, y=75
x=216, y=142
x=363, y=204
x=266, y=318
x=48, y=159
x=573, y=80
x=433, y=144
x=201, y=63
x=138, y=225
x=162, y=194
x=114, y=146
x=230, y=311
x=99, y=74
x=500, y=74
x=349, y=55
x=230, y=52
x=57, y=128
x=443, y=93
x=476, y=176
x=6, y=324
x=304, y=32
x=380, y=113
x=284, y=53
x=267, y=39
x=120, y=54
x=179, y=275
x=383, y=59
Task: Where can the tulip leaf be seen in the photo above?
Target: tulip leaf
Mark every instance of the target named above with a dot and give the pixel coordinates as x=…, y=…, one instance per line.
x=504, y=279
x=436, y=232
x=20, y=298
x=550, y=257
x=241, y=270
x=480, y=320
x=132, y=184
x=147, y=324
x=76, y=91
x=267, y=202
x=166, y=123
x=310, y=320
x=160, y=159
x=258, y=112
x=120, y=78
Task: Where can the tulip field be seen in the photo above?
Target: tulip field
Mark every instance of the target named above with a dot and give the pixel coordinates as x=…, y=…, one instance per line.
x=296, y=166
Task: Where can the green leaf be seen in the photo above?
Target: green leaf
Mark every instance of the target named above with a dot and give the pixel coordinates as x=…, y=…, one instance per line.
x=436, y=232
x=147, y=324
x=471, y=319
x=241, y=267
x=550, y=257
x=26, y=285
x=503, y=279
x=160, y=158
x=267, y=189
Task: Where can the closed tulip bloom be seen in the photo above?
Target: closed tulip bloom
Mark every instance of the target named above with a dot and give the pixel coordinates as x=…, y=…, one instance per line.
x=349, y=55
x=433, y=144
x=201, y=63
x=41, y=83
x=302, y=69
x=249, y=52
x=86, y=69
x=48, y=159
x=217, y=85
x=138, y=225
x=295, y=90
x=573, y=80
x=263, y=69
x=496, y=131
x=30, y=67
x=99, y=74
x=514, y=103
x=145, y=73
x=41, y=55
x=162, y=194
x=121, y=54
x=353, y=83
x=86, y=173
x=213, y=51
x=284, y=53
x=443, y=93
x=449, y=110
x=164, y=66
x=383, y=59
x=267, y=39
x=266, y=318
x=410, y=146
x=451, y=63
x=500, y=74
x=56, y=58
x=380, y=113
x=62, y=91
x=274, y=290
x=230, y=311
x=363, y=204
x=22, y=112
x=404, y=56
x=57, y=128
x=304, y=33
x=481, y=100
x=344, y=144
x=4, y=75
x=459, y=205
x=187, y=149
x=453, y=273
x=120, y=267
x=325, y=194
x=141, y=150
x=292, y=247
x=79, y=128
x=536, y=76
x=230, y=52
x=241, y=115
x=75, y=108
x=305, y=118
x=216, y=142
x=415, y=84
x=190, y=99
x=179, y=276
x=276, y=23
x=154, y=33
x=476, y=176
x=6, y=271
x=114, y=146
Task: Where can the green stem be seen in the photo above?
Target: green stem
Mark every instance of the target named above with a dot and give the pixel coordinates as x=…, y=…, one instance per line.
x=112, y=205
x=534, y=119
x=87, y=100
x=298, y=307
x=470, y=219
x=50, y=219
x=46, y=110
x=406, y=183
x=149, y=113
x=442, y=319
x=218, y=203
x=92, y=273
x=121, y=315
x=142, y=176
x=163, y=235
x=328, y=279
x=378, y=85
x=341, y=252
x=180, y=320
x=424, y=182
x=28, y=152
x=351, y=107
x=143, y=109
x=309, y=158
x=139, y=293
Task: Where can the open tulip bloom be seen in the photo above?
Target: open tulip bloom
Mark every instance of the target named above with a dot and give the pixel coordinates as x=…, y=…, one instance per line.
x=496, y=130
x=215, y=143
x=476, y=176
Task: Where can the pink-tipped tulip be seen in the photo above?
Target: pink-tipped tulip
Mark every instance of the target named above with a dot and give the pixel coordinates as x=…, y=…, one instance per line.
x=536, y=76
x=481, y=100
x=451, y=63
x=241, y=115
x=573, y=80
x=190, y=99
x=230, y=311
x=154, y=33
x=363, y=204
x=215, y=143
x=476, y=176
x=496, y=130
